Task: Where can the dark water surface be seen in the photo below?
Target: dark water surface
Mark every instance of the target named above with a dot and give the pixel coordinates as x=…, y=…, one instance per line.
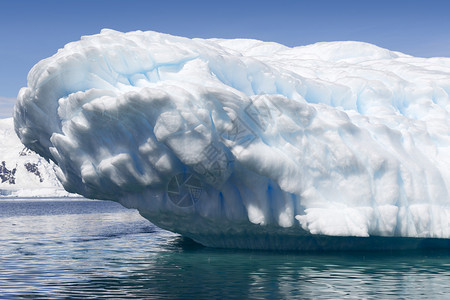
x=76, y=248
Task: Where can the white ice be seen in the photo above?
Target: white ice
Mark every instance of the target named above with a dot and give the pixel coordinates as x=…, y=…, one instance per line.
x=222, y=140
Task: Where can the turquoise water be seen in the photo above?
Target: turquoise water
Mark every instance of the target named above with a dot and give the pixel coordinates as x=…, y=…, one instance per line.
x=76, y=248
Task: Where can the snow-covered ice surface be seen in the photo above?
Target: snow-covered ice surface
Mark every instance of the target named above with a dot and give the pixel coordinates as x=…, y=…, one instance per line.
x=22, y=172
x=243, y=143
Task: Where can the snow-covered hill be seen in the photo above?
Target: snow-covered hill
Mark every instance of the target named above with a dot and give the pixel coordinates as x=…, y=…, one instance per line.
x=23, y=173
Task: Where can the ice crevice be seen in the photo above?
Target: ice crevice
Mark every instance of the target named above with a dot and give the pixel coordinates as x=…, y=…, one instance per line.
x=222, y=139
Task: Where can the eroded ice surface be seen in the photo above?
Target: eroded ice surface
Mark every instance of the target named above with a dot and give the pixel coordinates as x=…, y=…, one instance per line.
x=217, y=139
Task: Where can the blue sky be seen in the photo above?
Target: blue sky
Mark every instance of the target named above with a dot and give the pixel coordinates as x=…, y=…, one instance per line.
x=31, y=30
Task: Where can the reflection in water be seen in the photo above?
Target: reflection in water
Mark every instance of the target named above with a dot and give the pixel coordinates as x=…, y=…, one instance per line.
x=205, y=273
x=105, y=251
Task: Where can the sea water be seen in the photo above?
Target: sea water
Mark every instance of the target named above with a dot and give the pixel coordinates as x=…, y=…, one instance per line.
x=78, y=248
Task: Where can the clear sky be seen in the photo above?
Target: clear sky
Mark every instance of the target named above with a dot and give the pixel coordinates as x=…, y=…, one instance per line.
x=31, y=30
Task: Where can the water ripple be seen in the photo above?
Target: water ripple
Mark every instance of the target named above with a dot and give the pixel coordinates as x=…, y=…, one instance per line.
x=113, y=253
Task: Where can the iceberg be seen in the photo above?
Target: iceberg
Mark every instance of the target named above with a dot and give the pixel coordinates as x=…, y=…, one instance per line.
x=249, y=144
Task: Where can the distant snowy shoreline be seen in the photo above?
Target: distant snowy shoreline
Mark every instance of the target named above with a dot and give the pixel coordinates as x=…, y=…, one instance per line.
x=44, y=198
x=23, y=173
